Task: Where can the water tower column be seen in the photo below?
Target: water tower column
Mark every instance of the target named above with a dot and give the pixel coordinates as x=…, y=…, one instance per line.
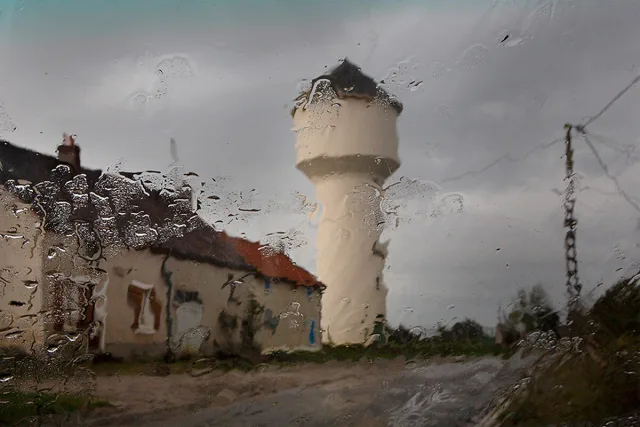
x=347, y=145
x=349, y=260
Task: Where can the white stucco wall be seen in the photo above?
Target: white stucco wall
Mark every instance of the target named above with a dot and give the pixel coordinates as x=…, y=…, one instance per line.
x=284, y=301
x=347, y=232
x=298, y=310
x=21, y=326
x=345, y=127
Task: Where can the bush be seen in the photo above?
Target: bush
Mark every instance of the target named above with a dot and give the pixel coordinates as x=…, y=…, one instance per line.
x=468, y=330
x=600, y=381
x=617, y=312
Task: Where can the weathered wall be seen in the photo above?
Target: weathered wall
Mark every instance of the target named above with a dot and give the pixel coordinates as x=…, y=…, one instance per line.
x=295, y=310
x=120, y=283
x=291, y=317
x=74, y=284
x=186, y=276
x=21, y=326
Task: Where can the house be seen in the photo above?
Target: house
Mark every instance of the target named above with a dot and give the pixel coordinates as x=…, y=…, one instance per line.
x=121, y=267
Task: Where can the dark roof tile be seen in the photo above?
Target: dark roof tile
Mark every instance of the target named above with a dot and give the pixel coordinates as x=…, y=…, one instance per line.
x=348, y=81
x=126, y=213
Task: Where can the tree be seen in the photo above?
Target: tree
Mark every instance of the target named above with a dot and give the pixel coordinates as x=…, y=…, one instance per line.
x=468, y=330
x=444, y=333
x=400, y=335
x=531, y=311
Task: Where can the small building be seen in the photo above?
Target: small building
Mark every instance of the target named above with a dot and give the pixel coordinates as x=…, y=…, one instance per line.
x=106, y=260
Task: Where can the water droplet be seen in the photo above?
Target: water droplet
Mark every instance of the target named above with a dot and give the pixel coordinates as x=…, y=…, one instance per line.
x=6, y=123
x=474, y=56
x=5, y=377
x=261, y=367
x=513, y=42
x=415, y=85
x=140, y=99
x=30, y=284
x=83, y=358
x=14, y=335
x=235, y=283
x=73, y=336
x=6, y=320
x=417, y=332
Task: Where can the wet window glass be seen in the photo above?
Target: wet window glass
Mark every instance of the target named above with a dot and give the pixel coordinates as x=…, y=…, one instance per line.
x=358, y=213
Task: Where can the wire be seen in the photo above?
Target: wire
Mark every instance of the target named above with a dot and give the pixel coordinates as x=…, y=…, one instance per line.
x=506, y=156
x=627, y=150
x=582, y=130
x=610, y=104
x=605, y=169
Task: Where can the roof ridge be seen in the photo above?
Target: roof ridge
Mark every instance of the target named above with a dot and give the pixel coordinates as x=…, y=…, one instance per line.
x=212, y=246
x=348, y=81
x=276, y=264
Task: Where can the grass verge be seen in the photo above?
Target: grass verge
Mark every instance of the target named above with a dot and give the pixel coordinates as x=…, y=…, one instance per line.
x=597, y=381
x=416, y=349
x=19, y=406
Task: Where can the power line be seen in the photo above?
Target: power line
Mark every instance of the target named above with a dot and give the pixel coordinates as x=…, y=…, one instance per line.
x=610, y=104
x=582, y=130
x=627, y=150
x=605, y=169
x=507, y=156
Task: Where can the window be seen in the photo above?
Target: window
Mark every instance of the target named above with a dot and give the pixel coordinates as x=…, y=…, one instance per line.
x=71, y=306
x=146, y=308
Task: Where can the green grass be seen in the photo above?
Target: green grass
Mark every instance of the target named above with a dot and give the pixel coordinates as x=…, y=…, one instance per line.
x=140, y=368
x=409, y=349
x=418, y=349
x=422, y=349
x=18, y=406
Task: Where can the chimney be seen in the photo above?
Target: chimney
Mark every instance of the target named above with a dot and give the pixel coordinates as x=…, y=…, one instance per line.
x=69, y=152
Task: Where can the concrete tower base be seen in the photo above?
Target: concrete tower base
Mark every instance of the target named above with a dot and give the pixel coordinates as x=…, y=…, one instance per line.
x=348, y=257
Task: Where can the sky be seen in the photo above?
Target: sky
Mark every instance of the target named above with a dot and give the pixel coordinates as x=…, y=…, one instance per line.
x=479, y=200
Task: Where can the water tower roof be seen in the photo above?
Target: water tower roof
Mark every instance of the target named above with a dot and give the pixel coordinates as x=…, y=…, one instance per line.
x=348, y=81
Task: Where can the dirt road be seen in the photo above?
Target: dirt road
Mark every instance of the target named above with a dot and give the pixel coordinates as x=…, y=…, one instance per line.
x=385, y=393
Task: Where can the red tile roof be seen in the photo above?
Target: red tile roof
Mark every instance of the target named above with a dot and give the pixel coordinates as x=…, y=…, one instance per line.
x=271, y=263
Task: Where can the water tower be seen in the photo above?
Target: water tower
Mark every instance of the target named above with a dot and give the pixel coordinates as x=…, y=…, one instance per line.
x=347, y=145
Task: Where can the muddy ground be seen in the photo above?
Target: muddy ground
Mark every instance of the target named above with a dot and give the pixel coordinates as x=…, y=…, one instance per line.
x=383, y=393
x=442, y=392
